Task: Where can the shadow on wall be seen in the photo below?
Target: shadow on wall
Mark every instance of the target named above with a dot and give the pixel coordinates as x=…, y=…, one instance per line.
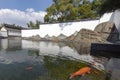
x=119, y=30
x=115, y=18
x=62, y=25
x=0, y=34
x=112, y=17
x=114, y=34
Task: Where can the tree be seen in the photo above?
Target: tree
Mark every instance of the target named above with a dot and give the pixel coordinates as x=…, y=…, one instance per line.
x=33, y=25
x=66, y=10
x=109, y=6
x=96, y=5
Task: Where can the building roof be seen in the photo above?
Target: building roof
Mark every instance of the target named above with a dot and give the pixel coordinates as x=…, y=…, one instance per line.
x=9, y=26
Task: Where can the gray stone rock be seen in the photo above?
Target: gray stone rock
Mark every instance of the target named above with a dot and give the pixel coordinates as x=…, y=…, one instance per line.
x=71, y=37
x=108, y=31
x=86, y=35
x=61, y=36
x=47, y=37
x=75, y=33
x=55, y=39
x=103, y=32
x=36, y=38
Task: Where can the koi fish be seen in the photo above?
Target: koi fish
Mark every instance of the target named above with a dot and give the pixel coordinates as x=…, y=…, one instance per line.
x=80, y=72
x=29, y=68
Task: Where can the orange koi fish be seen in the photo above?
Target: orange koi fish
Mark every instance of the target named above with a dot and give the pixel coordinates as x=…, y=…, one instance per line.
x=29, y=68
x=80, y=72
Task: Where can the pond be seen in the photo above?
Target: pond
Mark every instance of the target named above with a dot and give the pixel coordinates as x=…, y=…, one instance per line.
x=30, y=60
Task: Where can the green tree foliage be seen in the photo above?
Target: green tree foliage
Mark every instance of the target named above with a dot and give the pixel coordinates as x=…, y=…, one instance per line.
x=109, y=6
x=33, y=25
x=66, y=10
x=96, y=5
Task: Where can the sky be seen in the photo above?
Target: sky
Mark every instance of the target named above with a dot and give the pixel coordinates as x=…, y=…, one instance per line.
x=20, y=12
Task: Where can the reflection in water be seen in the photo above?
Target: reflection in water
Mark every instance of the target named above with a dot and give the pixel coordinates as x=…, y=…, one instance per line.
x=3, y=43
x=108, y=76
x=55, y=49
x=10, y=44
x=60, y=69
x=113, y=68
x=54, y=60
x=80, y=47
x=33, y=53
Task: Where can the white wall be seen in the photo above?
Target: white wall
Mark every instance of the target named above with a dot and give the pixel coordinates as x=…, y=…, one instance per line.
x=116, y=19
x=29, y=33
x=69, y=28
x=113, y=17
x=50, y=29
x=77, y=26
x=106, y=17
x=56, y=29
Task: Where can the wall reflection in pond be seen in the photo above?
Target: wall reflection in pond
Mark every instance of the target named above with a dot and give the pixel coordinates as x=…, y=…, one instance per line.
x=55, y=49
x=10, y=44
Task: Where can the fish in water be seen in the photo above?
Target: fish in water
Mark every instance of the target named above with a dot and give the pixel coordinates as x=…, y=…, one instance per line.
x=29, y=68
x=81, y=72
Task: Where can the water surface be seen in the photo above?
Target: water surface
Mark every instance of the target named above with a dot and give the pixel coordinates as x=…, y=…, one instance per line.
x=30, y=60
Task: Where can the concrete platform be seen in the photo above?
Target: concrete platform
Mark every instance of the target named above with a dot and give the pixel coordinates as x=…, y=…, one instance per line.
x=105, y=49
